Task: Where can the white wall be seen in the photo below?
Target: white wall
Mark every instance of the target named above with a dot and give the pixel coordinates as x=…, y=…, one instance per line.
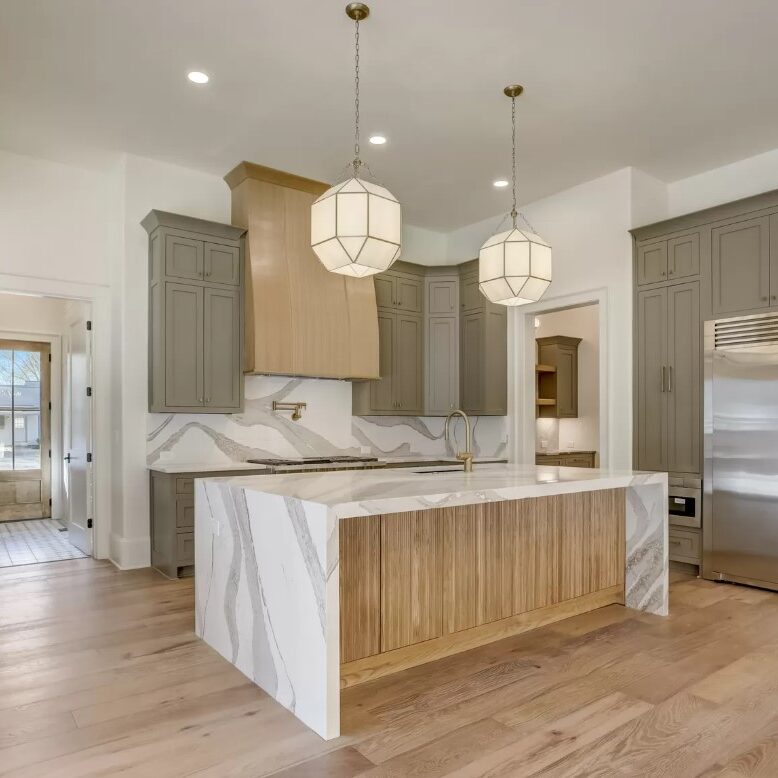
x=582, y=433
x=724, y=184
x=587, y=227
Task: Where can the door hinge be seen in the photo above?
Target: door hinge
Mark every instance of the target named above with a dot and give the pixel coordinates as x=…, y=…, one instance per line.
x=89, y=325
x=89, y=391
x=89, y=523
x=49, y=357
x=49, y=453
x=49, y=502
x=89, y=457
x=49, y=406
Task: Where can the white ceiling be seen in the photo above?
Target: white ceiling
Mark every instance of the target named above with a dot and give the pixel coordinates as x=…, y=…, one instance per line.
x=671, y=86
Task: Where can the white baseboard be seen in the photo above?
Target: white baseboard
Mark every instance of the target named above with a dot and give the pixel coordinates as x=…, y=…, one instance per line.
x=130, y=553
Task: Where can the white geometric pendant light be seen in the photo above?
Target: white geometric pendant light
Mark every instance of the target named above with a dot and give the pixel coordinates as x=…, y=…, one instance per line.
x=356, y=225
x=514, y=267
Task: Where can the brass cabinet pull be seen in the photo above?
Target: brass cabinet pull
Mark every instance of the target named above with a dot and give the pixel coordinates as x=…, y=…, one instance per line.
x=662, y=378
x=670, y=378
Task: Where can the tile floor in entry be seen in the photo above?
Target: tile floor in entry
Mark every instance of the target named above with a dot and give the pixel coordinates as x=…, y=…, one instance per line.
x=34, y=540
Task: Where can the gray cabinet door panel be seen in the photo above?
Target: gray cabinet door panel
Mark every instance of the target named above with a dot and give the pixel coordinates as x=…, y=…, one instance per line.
x=183, y=345
x=470, y=297
x=408, y=364
x=651, y=412
x=652, y=262
x=442, y=297
x=222, y=368
x=222, y=264
x=740, y=264
x=471, y=394
x=409, y=294
x=683, y=256
x=774, y=259
x=183, y=257
x=683, y=379
x=442, y=359
x=384, y=291
x=382, y=390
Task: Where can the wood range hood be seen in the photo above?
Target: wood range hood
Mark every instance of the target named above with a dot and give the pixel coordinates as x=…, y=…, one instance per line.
x=301, y=320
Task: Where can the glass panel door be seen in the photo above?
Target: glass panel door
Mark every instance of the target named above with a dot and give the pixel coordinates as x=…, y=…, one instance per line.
x=20, y=409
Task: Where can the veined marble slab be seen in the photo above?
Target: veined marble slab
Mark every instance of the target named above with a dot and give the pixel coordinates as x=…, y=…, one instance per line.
x=266, y=560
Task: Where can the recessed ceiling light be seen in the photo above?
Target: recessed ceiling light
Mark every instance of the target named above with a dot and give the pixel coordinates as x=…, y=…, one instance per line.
x=378, y=140
x=500, y=183
x=196, y=77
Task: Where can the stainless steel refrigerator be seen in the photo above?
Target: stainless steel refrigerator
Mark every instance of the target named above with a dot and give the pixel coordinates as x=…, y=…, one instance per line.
x=740, y=503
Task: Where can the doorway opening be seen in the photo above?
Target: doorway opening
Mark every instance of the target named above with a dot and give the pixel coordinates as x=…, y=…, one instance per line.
x=45, y=429
x=567, y=386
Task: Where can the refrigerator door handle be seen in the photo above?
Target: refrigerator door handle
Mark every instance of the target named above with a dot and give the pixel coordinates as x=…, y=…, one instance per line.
x=662, y=379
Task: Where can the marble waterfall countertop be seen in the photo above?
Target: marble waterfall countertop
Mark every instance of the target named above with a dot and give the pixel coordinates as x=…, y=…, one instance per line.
x=370, y=492
x=267, y=556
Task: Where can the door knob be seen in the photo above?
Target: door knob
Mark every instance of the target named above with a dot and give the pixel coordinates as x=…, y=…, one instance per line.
x=68, y=458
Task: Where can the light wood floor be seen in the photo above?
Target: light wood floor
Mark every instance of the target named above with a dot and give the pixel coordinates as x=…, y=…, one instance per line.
x=100, y=674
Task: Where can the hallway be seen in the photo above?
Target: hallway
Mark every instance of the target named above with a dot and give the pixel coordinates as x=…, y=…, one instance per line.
x=35, y=540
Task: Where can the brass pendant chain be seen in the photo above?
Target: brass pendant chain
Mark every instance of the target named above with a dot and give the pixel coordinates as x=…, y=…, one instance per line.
x=357, y=161
x=514, y=214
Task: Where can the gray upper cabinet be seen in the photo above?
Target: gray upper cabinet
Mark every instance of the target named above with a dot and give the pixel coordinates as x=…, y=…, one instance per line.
x=222, y=264
x=740, y=266
x=774, y=259
x=683, y=256
x=684, y=347
x=183, y=257
x=668, y=379
x=183, y=345
x=651, y=364
x=434, y=355
x=223, y=376
x=483, y=349
x=195, y=315
x=652, y=262
x=399, y=391
x=442, y=344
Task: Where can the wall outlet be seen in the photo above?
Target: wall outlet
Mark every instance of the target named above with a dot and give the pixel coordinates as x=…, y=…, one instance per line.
x=543, y=444
x=364, y=450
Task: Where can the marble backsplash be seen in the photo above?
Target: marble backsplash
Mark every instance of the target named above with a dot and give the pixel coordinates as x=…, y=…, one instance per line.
x=326, y=428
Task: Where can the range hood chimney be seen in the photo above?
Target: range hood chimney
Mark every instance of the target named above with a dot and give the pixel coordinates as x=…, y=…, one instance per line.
x=300, y=319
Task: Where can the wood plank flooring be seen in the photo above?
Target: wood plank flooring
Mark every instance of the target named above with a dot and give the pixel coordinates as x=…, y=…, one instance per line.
x=101, y=675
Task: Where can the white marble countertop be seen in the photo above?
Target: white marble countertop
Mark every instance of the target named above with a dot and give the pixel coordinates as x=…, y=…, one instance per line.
x=205, y=467
x=370, y=492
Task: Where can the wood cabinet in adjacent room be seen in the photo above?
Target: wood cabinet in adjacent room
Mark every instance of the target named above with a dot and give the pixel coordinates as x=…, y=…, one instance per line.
x=195, y=315
x=559, y=352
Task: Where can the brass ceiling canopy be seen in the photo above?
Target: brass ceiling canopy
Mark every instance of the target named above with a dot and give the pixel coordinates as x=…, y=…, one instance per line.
x=357, y=11
x=514, y=90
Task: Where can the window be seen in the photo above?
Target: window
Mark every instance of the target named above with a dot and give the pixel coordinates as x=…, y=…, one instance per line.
x=19, y=422
x=20, y=402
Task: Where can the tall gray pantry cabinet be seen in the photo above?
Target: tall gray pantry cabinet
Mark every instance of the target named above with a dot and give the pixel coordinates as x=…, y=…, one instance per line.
x=195, y=315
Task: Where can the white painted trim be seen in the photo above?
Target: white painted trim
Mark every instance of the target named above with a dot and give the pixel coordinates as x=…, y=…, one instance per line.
x=521, y=371
x=130, y=553
x=100, y=298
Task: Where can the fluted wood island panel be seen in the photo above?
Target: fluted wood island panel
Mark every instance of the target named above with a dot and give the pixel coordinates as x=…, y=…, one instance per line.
x=425, y=575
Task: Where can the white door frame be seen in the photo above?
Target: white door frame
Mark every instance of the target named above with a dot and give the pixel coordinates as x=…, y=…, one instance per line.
x=521, y=367
x=100, y=298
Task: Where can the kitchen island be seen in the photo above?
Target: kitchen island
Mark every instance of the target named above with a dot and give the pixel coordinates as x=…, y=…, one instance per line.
x=310, y=583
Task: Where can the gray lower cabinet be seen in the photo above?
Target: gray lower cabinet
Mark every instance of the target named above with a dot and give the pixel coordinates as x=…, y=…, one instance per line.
x=195, y=315
x=172, y=519
x=668, y=379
